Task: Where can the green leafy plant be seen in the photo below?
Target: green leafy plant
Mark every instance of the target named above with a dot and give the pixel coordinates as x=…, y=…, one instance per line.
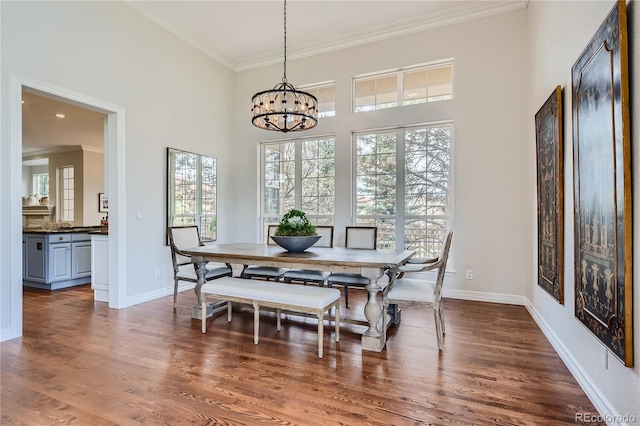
x=295, y=223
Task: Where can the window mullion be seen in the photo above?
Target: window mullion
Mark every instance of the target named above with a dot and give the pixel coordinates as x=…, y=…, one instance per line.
x=400, y=187
x=400, y=86
x=298, y=175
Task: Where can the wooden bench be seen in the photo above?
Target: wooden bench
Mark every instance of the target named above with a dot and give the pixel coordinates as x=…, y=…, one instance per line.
x=290, y=297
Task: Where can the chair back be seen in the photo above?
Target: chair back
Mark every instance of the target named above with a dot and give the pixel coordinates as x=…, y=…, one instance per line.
x=180, y=238
x=271, y=230
x=326, y=239
x=361, y=237
x=441, y=264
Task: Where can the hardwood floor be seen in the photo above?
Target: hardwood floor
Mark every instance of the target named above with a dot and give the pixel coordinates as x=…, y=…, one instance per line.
x=81, y=363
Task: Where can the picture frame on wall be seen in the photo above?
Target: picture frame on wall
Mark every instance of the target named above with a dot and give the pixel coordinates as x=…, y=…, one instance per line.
x=550, y=189
x=103, y=203
x=602, y=187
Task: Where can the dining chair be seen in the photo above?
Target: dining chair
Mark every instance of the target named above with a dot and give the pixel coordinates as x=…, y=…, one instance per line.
x=412, y=291
x=185, y=237
x=265, y=272
x=305, y=276
x=357, y=237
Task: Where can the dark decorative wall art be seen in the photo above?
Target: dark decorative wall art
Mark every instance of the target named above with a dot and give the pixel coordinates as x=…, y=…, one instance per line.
x=602, y=187
x=549, y=144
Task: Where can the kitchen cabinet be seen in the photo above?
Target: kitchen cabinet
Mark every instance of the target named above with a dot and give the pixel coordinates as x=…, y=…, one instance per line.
x=56, y=260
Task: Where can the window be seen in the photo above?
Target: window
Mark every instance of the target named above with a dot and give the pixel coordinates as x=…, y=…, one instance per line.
x=67, y=197
x=403, y=186
x=191, y=198
x=326, y=95
x=299, y=174
x=415, y=85
x=41, y=184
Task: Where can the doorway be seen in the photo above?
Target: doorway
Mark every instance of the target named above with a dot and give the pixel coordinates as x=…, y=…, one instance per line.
x=114, y=187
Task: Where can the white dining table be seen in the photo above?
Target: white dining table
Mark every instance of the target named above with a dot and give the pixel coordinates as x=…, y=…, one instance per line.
x=371, y=264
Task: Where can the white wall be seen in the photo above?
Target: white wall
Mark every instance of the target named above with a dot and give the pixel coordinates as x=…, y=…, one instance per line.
x=172, y=94
x=558, y=33
x=492, y=198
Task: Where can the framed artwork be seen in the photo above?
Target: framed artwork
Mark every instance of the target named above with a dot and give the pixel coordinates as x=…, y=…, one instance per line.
x=550, y=167
x=602, y=187
x=103, y=203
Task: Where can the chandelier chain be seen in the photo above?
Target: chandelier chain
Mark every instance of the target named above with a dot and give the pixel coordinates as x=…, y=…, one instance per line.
x=284, y=77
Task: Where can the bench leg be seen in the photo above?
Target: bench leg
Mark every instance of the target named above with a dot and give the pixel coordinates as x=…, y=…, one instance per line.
x=320, y=333
x=203, y=318
x=278, y=322
x=228, y=311
x=256, y=322
x=337, y=321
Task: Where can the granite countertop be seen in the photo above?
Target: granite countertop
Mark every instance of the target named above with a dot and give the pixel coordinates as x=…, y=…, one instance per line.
x=102, y=230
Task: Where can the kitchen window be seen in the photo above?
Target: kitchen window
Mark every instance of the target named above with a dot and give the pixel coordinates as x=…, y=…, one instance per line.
x=67, y=196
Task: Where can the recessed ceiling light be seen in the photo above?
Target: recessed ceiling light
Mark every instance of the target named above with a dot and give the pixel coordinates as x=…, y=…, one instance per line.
x=60, y=115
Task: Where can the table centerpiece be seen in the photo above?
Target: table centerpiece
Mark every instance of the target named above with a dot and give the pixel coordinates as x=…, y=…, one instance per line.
x=295, y=233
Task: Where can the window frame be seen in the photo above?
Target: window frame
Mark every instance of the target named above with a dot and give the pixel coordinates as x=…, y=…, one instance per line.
x=317, y=87
x=35, y=184
x=400, y=217
x=399, y=73
x=317, y=219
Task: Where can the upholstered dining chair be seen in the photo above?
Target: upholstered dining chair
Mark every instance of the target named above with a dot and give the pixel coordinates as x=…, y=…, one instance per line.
x=184, y=237
x=412, y=291
x=307, y=276
x=358, y=237
x=265, y=272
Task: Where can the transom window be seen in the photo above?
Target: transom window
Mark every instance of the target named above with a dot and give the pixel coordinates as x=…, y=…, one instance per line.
x=326, y=95
x=299, y=174
x=410, y=86
x=403, y=186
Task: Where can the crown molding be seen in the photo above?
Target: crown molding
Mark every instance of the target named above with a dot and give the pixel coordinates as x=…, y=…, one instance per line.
x=385, y=32
x=382, y=32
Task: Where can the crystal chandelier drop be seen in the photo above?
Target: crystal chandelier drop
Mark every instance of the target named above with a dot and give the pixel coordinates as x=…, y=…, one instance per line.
x=283, y=108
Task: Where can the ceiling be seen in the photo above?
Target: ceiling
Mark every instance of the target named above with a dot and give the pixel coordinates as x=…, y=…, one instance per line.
x=42, y=130
x=243, y=34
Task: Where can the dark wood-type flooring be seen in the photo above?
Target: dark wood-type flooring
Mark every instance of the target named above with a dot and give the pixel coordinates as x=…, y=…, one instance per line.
x=81, y=363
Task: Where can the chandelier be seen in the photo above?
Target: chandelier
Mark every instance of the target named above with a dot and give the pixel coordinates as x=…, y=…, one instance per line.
x=283, y=108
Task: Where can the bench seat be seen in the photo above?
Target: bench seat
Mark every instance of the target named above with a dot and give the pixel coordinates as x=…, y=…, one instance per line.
x=290, y=297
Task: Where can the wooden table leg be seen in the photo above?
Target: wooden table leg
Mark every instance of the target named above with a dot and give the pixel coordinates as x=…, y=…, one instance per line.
x=373, y=338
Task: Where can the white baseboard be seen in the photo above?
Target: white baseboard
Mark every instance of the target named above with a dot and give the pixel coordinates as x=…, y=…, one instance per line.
x=600, y=402
x=478, y=296
x=161, y=292
x=8, y=334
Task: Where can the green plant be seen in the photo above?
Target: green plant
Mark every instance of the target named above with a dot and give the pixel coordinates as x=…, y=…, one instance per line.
x=295, y=223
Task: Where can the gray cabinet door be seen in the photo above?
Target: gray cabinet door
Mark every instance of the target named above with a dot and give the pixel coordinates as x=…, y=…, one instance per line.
x=34, y=258
x=59, y=262
x=81, y=259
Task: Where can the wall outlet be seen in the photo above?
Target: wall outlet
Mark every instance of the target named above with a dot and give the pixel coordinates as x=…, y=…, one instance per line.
x=157, y=273
x=469, y=274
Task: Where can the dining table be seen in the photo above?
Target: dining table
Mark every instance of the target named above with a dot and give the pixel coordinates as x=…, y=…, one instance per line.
x=371, y=264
